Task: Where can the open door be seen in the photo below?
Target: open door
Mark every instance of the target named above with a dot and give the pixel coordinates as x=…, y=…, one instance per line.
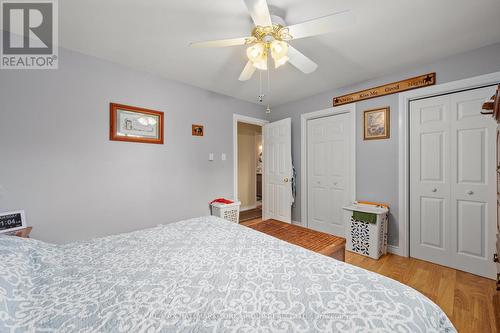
x=277, y=199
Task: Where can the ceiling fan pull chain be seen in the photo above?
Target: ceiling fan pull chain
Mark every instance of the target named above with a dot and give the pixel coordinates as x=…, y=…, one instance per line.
x=268, y=109
x=268, y=86
x=260, y=83
x=261, y=95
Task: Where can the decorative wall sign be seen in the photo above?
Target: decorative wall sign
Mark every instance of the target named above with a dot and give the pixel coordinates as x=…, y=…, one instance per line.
x=197, y=130
x=493, y=105
x=11, y=221
x=377, y=124
x=387, y=89
x=130, y=123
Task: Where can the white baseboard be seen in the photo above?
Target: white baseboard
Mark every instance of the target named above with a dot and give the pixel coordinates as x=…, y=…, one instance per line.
x=394, y=250
x=242, y=209
x=297, y=223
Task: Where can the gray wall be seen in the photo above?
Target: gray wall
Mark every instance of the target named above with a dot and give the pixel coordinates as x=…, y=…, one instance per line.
x=377, y=161
x=57, y=162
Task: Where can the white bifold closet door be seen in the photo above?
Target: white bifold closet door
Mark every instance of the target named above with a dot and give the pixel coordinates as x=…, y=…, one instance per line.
x=329, y=172
x=453, y=181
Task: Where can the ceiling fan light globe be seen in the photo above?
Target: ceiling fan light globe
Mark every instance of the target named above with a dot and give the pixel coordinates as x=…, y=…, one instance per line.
x=262, y=65
x=279, y=49
x=256, y=52
x=281, y=61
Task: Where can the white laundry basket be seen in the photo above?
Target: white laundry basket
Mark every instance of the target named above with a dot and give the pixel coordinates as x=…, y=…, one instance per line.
x=230, y=212
x=369, y=239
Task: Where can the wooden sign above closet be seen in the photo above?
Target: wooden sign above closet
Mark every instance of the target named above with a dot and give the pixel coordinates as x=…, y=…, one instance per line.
x=493, y=106
x=387, y=89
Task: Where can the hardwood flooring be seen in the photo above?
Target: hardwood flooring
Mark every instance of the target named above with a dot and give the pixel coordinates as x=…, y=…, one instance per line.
x=251, y=214
x=471, y=302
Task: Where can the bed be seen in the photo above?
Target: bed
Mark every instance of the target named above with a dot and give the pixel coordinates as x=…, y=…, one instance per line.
x=199, y=275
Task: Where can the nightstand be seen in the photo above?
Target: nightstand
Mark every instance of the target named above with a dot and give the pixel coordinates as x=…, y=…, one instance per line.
x=24, y=233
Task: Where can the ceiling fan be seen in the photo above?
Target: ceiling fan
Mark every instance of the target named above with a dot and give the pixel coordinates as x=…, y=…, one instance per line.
x=271, y=35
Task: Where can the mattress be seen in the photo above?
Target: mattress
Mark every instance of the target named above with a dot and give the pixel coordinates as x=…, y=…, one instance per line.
x=199, y=275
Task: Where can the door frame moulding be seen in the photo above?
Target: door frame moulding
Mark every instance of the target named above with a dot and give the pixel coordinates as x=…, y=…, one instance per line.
x=404, y=140
x=238, y=118
x=348, y=108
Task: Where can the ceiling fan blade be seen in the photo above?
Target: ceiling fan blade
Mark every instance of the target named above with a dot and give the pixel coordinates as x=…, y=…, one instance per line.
x=222, y=42
x=247, y=72
x=300, y=61
x=322, y=25
x=259, y=11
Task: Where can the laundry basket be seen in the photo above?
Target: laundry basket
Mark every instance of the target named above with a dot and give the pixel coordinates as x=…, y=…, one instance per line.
x=230, y=212
x=367, y=229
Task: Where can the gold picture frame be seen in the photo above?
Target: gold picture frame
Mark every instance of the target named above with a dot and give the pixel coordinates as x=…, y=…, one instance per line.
x=377, y=124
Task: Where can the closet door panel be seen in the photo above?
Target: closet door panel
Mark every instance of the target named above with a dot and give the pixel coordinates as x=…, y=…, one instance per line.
x=473, y=186
x=329, y=176
x=430, y=179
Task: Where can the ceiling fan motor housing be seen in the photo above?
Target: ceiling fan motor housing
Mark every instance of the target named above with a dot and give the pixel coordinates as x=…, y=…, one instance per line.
x=270, y=33
x=268, y=38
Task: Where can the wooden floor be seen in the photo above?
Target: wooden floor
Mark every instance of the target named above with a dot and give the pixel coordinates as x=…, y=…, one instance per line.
x=251, y=214
x=471, y=302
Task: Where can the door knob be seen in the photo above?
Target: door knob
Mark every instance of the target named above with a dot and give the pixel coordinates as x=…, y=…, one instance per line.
x=470, y=192
x=285, y=180
x=434, y=190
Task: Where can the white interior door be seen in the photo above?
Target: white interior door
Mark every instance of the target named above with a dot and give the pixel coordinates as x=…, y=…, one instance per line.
x=328, y=172
x=430, y=179
x=277, y=171
x=452, y=186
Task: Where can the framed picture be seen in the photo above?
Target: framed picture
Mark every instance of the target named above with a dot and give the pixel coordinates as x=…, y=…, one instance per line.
x=377, y=124
x=133, y=124
x=197, y=130
x=12, y=221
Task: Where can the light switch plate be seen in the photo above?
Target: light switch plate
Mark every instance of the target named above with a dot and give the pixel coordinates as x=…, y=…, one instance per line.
x=211, y=156
x=223, y=156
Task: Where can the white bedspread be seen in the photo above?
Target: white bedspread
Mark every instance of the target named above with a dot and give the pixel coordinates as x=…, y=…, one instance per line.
x=199, y=275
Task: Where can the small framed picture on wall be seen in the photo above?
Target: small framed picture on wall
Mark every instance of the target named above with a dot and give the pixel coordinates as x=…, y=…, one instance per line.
x=133, y=124
x=377, y=124
x=197, y=130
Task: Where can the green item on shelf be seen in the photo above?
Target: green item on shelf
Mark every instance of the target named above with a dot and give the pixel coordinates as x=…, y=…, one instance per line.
x=364, y=217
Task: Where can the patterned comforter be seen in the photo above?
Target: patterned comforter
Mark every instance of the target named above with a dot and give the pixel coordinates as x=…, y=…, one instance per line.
x=199, y=275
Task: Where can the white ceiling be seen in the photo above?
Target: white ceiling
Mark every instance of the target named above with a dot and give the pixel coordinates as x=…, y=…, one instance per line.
x=153, y=35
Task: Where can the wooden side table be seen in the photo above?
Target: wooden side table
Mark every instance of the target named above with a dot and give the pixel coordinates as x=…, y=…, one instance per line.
x=24, y=233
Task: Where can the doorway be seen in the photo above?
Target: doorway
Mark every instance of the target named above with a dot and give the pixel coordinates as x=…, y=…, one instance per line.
x=250, y=152
x=272, y=169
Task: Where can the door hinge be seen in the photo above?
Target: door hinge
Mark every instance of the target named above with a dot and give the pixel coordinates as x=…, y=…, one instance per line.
x=495, y=257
